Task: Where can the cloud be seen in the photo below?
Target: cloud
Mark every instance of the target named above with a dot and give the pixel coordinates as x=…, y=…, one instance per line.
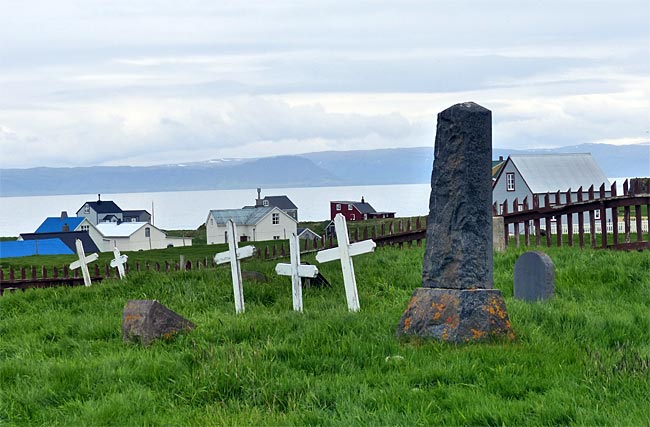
x=155, y=81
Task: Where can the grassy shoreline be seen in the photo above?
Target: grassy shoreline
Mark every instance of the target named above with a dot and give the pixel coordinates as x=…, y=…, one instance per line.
x=582, y=358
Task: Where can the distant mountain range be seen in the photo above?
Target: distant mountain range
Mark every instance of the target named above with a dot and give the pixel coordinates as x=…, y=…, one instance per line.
x=331, y=168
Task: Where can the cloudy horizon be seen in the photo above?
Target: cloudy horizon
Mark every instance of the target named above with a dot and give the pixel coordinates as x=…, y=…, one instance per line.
x=142, y=83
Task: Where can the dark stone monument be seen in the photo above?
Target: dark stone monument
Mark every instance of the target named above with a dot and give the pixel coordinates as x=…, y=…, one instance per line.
x=457, y=302
x=534, y=277
x=148, y=320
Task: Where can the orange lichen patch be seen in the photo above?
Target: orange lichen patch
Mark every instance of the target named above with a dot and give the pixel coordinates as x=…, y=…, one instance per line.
x=478, y=334
x=132, y=317
x=407, y=323
x=436, y=316
x=438, y=307
x=445, y=335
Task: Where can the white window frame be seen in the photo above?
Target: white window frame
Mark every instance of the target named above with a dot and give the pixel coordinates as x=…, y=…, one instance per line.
x=275, y=218
x=349, y=207
x=338, y=206
x=265, y=203
x=510, y=181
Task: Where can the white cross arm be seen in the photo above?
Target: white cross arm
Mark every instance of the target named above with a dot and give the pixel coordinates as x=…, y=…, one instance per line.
x=303, y=270
x=355, y=249
x=90, y=258
x=224, y=257
x=119, y=261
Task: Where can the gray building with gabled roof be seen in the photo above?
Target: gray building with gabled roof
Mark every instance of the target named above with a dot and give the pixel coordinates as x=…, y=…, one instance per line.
x=253, y=224
x=525, y=175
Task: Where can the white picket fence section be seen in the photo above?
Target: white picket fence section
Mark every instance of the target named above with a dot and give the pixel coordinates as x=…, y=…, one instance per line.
x=598, y=227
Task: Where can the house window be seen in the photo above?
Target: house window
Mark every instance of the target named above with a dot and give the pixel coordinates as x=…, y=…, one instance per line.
x=352, y=217
x=597, y=215
x=86, y=209
x=365, y=216
x=338, y=206
x=265, y=202
x=276, y=237
x=510, y=181
x=147, y=232
x=85, y=228
x=349, y=207
x=276, y=218
x=133, y=219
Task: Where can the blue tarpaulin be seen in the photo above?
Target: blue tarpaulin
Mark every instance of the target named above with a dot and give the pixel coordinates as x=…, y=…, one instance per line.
x=19, y=248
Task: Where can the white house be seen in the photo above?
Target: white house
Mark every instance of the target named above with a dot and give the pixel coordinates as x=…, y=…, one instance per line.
x=136, y=236
x=525, y=175
x=253, y=224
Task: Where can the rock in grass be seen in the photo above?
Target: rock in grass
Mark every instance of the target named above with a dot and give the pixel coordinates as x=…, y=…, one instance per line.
x=147, y=320
x=254, y=276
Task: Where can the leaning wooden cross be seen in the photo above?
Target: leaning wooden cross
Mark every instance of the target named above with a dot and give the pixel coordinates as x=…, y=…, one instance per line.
x=296, y=271
x=233, y=255
x=83, y=262
x=345, y=252
x=119, y=262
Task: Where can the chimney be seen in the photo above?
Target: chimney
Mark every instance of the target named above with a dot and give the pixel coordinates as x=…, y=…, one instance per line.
x=362, y=201
x=258, y=201
x=500, y=158
x=65, y=228
x=64, y=214
x=99, y=199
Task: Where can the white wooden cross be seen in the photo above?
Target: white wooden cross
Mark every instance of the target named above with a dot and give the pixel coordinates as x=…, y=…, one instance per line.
x=345, y=252
x=83, y=262
x=119, y=262
x=296, y=271
x=233, y=255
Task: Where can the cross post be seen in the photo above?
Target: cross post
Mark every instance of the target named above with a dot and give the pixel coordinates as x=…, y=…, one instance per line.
x=119, y=262
x=296, y=271
x=233, y=255
x=345, y=252
x=83, y=262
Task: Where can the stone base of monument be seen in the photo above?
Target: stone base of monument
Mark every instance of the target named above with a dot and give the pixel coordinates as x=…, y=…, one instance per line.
x=456, y=315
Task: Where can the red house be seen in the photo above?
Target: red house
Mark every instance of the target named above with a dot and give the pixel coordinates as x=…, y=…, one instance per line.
x=356, y=211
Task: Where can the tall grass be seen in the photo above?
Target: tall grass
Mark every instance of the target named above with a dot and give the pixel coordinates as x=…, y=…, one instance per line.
x=581, y=358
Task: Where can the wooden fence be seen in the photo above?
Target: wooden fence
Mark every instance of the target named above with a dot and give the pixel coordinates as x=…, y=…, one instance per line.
x=597, y=213
x=398, y=233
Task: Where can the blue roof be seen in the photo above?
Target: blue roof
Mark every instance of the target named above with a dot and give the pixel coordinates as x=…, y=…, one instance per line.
x=19, y=248
x=55, y=224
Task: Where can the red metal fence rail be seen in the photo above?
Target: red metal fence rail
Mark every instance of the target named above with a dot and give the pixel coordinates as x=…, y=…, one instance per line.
x=398, y=233
x=555, y=219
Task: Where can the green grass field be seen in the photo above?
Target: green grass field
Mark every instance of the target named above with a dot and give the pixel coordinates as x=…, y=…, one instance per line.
x=582, y=358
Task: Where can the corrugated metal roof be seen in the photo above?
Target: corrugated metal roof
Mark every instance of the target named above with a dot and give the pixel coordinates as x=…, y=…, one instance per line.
x=559, y=172
x=19, y=248
x=55, y=224
x=282, y=202
x=246, y=216
x=103, y=206
x=124, y=229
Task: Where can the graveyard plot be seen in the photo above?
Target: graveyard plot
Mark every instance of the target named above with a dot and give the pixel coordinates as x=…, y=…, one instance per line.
x=579, y=358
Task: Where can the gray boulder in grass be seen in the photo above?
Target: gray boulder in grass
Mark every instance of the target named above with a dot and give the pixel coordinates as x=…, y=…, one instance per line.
x=147, y=320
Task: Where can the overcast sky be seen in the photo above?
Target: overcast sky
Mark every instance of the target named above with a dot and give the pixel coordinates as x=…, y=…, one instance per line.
x=147, y=82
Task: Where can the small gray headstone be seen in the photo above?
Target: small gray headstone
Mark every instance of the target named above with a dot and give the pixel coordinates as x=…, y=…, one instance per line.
x=534, y=277
x=148, y=320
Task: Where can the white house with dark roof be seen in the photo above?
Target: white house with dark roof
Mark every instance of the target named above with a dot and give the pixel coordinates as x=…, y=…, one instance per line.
x=108, y=211
x=253, y=224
